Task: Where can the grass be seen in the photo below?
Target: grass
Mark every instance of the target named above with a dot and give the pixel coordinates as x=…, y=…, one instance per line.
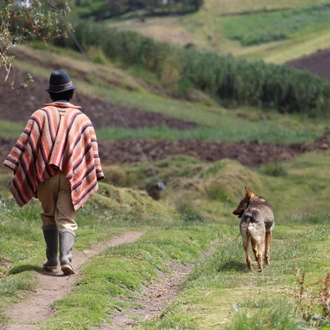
x=195, y=214
x=219, y=286
x=263, y=132
x=207, y=31
x=11, y=129
x=219, y=293
x=273, y=26
x=238, y=6
x=216, y=123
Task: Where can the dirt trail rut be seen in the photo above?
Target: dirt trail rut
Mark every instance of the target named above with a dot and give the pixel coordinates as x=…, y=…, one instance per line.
x=53, y=286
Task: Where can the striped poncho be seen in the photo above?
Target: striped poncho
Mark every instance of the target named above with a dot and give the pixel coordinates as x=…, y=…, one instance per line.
x=58, y=137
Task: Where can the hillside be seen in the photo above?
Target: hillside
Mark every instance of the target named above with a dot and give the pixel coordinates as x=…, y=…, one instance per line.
x=207, y=30
x=18, y=104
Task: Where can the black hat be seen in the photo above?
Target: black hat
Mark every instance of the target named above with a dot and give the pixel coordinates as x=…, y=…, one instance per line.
x=59, y=82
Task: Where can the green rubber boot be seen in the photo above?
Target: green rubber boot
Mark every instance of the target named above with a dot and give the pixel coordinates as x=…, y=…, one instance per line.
x=51, y=239
x=67, y=238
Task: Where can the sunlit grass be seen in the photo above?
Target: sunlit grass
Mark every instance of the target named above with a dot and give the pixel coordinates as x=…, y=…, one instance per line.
x=121, y=271
x=11, y=129
x=205, y=29
x=219, y=292
x=266, y=27
x=263, y=132
x=239, y=6
x=222, y=294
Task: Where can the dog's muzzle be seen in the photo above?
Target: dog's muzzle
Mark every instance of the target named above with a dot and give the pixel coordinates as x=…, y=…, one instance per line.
x=239, y=215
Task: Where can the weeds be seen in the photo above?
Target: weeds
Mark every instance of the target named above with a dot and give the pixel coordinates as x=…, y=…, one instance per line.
x=275, y=170
x=189, y=213
x=273, y=318
x=313, y=300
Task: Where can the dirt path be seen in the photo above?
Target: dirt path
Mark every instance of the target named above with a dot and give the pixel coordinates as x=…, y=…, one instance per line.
x=53, y=286
x=154, y=299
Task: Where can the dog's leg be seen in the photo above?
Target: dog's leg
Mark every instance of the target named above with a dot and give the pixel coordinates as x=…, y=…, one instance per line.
x=257, y=231
x=246, y=236
x=261, y=248
x=258, y=249
x=246, y=241
x=254, y=248
x=267, y=249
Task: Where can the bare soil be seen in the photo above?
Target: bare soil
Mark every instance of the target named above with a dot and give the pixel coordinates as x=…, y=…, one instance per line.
x=317, y=63
x=17, y=105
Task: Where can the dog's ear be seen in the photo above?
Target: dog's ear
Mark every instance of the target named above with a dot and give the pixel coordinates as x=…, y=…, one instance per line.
x=249, y=193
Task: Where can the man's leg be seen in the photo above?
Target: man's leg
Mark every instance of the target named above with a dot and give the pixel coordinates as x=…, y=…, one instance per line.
x=65, y=220
x=47, y=195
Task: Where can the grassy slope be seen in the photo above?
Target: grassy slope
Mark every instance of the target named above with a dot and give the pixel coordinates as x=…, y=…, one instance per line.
x=219, y=286
x=206, y=30
x=119, y=87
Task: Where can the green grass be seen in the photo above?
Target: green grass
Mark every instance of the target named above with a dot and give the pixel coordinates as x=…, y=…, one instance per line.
x=263, y=132
x=220, y=293
x=207, y=30
x=195, y=214
x=239, y=6
x=11, y=129
x=267, y=27
x=216, y=122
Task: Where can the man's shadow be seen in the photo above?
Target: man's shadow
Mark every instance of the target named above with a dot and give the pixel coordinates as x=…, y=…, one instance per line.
x=24, y=268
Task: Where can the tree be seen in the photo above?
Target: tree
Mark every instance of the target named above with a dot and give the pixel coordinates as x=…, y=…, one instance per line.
x=24, y=20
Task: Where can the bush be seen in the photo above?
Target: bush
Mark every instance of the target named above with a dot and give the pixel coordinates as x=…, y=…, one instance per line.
x=224, y=78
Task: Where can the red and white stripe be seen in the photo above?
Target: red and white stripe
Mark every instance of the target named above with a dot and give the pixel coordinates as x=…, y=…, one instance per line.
x=56, y=137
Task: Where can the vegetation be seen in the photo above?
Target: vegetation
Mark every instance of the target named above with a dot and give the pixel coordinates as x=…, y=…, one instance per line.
x=219, y=293
x=103, y=9
x=230, y=81
x=266, y=27
x=194, y=215
x=22, y=21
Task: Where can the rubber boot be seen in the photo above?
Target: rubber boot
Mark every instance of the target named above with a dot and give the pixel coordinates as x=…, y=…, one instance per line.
x=67, y=238
x=51, y=239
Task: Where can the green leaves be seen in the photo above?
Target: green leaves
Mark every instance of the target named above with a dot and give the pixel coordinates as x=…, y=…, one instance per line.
x=20, y=22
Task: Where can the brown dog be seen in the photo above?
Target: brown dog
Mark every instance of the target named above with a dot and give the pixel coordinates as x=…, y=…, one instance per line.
x=257, y=223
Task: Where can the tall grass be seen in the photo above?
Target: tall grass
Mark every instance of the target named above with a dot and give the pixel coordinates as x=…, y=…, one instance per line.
x=277, y=317
x=224, y=78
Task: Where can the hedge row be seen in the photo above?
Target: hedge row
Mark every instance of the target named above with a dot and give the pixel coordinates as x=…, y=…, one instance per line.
x=284, y=88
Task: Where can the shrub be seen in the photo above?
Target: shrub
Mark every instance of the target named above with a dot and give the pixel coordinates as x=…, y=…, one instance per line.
x=224, y=78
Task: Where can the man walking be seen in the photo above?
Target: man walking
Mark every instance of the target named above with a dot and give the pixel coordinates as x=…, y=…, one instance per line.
x=56, y=160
